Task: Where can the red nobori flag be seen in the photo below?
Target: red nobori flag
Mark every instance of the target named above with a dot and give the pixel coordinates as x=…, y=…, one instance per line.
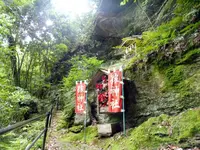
x=80, y=97
x=115, y=91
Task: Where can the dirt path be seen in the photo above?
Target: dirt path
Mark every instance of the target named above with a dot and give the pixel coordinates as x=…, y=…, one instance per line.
x=53, y=140
x=53, y=134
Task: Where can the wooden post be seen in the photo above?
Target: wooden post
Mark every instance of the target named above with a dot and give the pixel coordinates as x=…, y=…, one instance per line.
x=46, y=129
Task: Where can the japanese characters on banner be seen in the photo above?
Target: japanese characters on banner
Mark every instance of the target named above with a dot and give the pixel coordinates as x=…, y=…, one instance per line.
x=80, y=97
x=115, y=82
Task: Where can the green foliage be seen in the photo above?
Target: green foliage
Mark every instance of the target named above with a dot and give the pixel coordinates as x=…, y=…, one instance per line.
x=10, y=100
x=68, y=110
x=185, y=7
x=61, y=47
x=82, y=68
x=58, y=51
x=187, y=125
x=125, y=1
x=6, y=23
x=190, y=28
x=22, y=2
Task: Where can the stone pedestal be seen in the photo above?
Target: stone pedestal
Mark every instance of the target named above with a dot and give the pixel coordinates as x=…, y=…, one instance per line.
x=105, y=130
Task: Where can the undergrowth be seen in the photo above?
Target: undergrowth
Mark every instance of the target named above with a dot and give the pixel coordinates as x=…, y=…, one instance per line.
x=20, y=138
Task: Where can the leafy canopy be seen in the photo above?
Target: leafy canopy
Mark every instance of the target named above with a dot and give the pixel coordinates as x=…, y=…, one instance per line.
x=82, y=68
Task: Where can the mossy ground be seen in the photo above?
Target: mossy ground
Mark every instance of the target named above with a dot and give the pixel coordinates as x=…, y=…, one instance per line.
x=91, y=133
x=155, y=132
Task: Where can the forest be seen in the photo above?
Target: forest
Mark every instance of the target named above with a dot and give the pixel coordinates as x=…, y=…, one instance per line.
x=46, y=46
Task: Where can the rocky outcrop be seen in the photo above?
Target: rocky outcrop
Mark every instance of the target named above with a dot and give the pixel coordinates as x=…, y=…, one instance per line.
x=114, y=20
x=165, y=70
x=169, y=87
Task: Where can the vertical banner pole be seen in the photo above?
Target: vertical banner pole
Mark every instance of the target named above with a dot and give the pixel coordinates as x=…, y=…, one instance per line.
x=85, y=121
x=124, y=121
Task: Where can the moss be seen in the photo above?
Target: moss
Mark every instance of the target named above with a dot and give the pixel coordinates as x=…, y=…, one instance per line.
x=76, y=129
x=190, y=86
x=186, y=125
x=152, y=40
x=185, y=6
x=182, y=76
x=167, y=32
x=176, y=79
x=130, y=64
x=189, y=57
x=152, y=134
x=63, y=124
x=91, y=134
x=159, y=131
x=175, y=74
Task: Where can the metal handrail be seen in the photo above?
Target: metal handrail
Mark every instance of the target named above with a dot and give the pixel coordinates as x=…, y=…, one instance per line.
x=19, y=124
x=35, y=140
x=22, y=123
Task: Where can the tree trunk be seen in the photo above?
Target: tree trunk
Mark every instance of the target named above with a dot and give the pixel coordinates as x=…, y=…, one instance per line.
x=13, y=59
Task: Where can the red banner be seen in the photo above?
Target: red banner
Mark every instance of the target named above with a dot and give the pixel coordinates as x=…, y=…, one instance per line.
x=80, y=97
x=115, y=91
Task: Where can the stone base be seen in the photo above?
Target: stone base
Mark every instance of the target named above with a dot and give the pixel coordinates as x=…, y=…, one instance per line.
x=103, y=109
x=106, y=130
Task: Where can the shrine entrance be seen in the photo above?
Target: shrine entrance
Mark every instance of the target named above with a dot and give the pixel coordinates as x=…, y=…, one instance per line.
x=104, y=111
x=109, y=96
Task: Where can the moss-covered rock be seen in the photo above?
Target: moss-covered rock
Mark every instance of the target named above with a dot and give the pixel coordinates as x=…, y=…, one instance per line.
x=165, y=66
x=164, y=89
x=76, y=129
x=161, y=131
